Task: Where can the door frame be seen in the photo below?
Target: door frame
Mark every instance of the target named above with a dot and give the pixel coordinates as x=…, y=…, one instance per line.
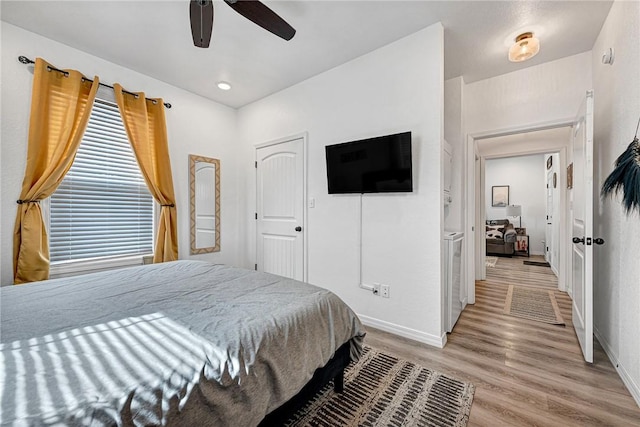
x=475, y=195
x=305, y=236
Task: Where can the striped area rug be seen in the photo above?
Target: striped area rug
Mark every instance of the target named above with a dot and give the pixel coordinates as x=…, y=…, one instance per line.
x=384, y=390
x=533, y=304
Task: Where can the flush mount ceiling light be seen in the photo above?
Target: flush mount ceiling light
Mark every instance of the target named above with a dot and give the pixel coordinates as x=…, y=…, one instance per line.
x=224, y=85
x=525, y=47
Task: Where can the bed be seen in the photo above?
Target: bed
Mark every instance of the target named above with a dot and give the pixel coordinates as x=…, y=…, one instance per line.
x=180, y=343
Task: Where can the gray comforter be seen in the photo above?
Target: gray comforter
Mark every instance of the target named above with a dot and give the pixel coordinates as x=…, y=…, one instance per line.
x=181, y=343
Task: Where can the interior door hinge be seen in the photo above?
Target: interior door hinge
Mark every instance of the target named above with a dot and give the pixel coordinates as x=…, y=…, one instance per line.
x=256, y=215
x=255, y=267
x=256, y=164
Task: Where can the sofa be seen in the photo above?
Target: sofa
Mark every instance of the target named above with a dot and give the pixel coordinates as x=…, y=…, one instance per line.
x=501, y=237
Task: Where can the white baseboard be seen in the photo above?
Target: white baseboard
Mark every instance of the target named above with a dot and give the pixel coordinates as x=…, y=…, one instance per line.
x=633, y=388
x=405, y=332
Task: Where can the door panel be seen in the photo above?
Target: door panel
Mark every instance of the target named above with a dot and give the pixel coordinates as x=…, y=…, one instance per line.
x=279, y=189
x=279, y=255
x=280, y=209
x=582, y=227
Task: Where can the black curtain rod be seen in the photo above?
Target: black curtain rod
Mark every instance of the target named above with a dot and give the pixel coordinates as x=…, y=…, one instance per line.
x=27, y=61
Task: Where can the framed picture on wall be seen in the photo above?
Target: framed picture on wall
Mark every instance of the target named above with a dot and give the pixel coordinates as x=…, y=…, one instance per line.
x=499, y=196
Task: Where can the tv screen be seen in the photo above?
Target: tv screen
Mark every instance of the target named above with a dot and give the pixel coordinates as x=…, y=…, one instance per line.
x=374, y=165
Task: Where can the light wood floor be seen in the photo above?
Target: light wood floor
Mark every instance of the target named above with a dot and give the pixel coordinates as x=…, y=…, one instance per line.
x=526, y=373
x=513, y=271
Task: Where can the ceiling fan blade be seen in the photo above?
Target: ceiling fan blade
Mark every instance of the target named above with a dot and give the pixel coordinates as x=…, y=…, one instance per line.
x=201, y=15
x=260, y=14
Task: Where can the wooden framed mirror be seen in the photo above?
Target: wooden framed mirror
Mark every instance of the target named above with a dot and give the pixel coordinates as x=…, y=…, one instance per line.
x=204, y=195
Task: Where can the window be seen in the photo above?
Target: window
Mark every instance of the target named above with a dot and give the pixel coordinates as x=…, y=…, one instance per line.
x=102, y=207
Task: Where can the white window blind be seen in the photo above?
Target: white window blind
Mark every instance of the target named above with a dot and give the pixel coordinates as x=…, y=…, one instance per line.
x=102, y=207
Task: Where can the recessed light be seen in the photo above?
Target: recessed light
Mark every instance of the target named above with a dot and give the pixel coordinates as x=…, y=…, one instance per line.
x=224, y=85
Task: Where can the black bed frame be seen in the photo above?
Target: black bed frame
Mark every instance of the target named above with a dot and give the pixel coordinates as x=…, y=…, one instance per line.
x=333, y=370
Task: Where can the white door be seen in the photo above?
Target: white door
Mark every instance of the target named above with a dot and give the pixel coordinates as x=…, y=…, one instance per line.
x=548, y=232
x=582, y=226
x=280, y=209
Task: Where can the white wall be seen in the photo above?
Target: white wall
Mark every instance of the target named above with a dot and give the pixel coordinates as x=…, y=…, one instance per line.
x=454, y=134
x=617, y=270
x=396, y=88
x=526, y=178
x=538, y=94
x=195, y=126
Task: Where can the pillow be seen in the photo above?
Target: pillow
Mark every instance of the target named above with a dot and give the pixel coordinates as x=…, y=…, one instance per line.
x=495, y=231
x=494, y=234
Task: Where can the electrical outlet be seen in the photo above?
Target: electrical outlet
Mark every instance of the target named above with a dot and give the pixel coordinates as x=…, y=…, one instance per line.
x=376, y=288
x=384, y=291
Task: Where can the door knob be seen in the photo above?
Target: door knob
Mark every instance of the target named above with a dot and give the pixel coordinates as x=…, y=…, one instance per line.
x=598, y=241
x=298, y=228
x=578, y=240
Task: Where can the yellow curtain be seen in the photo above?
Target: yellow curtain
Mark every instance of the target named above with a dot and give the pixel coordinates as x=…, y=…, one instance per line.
x=60, y=109
x=147, y=130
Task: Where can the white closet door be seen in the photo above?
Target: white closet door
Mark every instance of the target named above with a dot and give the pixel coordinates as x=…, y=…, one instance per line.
x=280, y=209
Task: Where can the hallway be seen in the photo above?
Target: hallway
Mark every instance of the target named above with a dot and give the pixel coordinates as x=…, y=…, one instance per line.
x=513, y=271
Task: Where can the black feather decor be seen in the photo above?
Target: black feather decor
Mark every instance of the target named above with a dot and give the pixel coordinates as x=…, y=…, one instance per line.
x=625, y=177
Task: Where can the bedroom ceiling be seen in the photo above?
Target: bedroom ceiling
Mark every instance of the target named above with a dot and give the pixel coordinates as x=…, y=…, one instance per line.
x=153, y=37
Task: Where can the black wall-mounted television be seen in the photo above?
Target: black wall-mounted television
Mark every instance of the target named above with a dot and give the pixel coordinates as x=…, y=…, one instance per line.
x=373, y=165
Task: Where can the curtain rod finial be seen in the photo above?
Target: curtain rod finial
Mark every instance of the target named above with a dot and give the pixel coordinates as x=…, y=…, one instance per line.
x=25, y=60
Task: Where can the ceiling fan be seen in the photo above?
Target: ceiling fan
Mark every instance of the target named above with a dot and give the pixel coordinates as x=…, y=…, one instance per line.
x=201, y=14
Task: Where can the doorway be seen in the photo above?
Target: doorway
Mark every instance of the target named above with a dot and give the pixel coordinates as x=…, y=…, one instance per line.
x=547, y=138
x=519, y=213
